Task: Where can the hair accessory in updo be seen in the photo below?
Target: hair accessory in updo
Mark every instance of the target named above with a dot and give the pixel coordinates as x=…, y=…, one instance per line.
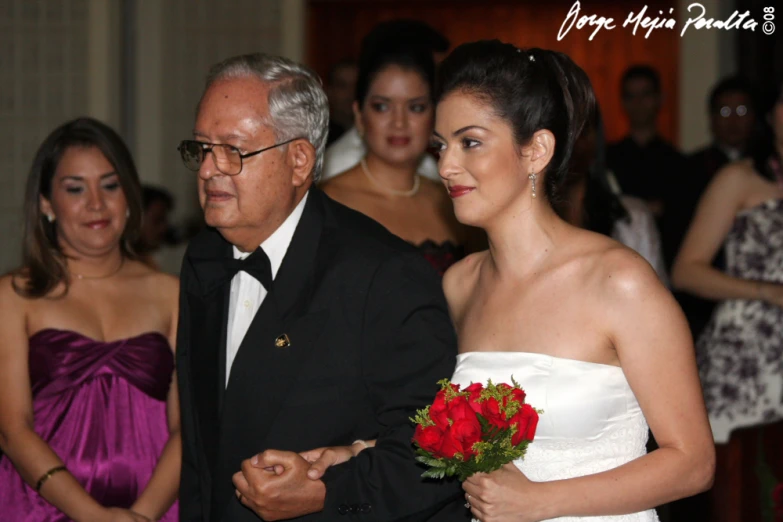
x=532, y=58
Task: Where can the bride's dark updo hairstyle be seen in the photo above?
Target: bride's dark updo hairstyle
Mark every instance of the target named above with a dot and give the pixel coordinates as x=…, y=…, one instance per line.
x=531, y=89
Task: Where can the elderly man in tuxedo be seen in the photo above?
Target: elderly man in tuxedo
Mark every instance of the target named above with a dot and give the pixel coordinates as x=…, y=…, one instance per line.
x=303, y=324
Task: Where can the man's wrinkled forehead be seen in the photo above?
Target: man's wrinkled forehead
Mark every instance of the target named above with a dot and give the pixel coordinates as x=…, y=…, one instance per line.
x=243, y=92
x=234, y=108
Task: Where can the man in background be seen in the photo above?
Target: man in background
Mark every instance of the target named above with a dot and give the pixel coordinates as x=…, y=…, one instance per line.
x=644, y=164
x=156, y=230
x=732, y=120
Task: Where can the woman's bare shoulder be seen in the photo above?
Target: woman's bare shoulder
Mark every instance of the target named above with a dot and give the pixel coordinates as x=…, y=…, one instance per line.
x=737, y=172
x=341, y=186
x=461, y=278
x=153, y=281
x=169, y=283
x=467, y=266
x=620, y=273
x=9, y=283
x=599, y=263
x=12, y=303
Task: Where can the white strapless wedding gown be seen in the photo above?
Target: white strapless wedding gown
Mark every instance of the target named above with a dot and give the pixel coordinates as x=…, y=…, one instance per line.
x=591, y=421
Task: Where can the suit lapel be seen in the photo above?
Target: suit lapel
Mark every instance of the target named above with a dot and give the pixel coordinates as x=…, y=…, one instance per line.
x=223, y=298
x=263, y=372
x=286, y=311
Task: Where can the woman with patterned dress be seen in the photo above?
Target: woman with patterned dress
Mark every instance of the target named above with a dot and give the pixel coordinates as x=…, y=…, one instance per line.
x=89, y=420
x=740, y=352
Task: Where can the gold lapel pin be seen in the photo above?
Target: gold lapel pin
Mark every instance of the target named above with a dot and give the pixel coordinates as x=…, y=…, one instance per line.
x=282, y=341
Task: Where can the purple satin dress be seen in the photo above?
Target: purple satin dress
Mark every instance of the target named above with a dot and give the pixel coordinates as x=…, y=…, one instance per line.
x=101, y=406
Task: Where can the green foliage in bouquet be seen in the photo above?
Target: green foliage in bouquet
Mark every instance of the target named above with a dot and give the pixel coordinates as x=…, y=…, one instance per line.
x=478, y=429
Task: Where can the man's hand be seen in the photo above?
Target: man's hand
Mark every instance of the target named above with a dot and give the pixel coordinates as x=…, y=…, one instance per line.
x=274, y=484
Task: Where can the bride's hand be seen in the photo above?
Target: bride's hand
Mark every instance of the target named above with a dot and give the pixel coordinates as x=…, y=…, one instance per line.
x=321, y=459
x=505, y=495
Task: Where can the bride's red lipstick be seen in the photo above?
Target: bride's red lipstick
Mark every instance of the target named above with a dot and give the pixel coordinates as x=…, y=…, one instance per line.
x=459, y=190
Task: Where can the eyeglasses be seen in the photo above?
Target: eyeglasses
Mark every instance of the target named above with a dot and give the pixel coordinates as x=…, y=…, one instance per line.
x=726, y=111
x=228, y=159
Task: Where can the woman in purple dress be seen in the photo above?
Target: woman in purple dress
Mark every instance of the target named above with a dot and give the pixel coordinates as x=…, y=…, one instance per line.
x=89, y=421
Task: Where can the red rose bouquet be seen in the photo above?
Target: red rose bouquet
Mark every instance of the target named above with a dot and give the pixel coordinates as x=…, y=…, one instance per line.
x=478, y=429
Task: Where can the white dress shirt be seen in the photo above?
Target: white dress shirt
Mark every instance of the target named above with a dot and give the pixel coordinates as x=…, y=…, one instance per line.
x=349, y=149
x=247, y=293
x=731, y=153
x=640, y=233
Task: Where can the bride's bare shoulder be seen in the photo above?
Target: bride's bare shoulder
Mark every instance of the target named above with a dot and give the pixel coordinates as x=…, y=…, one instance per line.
x=461, y=278
x=620, y=273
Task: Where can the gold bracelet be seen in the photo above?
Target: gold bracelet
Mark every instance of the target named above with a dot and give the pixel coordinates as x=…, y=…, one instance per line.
x=47, y=475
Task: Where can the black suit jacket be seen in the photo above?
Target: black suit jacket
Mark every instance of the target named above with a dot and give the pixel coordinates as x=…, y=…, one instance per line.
x=370, y=336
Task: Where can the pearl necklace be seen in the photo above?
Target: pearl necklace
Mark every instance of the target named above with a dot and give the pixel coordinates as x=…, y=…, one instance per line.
x=114, y=272
x=393, y=192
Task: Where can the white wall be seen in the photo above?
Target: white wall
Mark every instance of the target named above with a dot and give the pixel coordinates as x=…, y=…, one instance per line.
x=60, y=59
x=55, y=64
x=703, y=61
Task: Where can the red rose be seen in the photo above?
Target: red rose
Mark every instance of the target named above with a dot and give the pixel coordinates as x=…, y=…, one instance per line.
x=458, y=409
x=518, y=395
x=429, y=438
x=438, y=411
x=475, y=390
x=526, y=421
x=461, y=437
x=490, y=409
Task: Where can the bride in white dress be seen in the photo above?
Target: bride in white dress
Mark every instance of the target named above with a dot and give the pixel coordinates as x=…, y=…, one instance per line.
x=581, y=322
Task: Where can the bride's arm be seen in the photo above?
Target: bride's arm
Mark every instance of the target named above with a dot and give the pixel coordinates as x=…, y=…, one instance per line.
x=653, y=343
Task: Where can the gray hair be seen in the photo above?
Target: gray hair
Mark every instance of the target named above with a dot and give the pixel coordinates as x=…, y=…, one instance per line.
x=298, y=107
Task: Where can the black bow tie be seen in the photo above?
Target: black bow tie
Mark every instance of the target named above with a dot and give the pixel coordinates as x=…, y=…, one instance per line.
x=214, y=273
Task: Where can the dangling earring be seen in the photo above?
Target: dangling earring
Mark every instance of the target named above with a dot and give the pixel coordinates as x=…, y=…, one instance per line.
x=50, y=218
x=127, y=213
x=532, y=178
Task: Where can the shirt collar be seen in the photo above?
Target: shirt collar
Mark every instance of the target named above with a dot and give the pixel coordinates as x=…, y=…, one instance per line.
x=277, y=244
